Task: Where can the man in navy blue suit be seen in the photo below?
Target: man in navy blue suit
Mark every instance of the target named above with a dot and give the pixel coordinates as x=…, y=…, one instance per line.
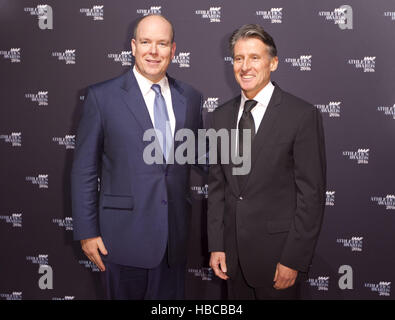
x=135, y=228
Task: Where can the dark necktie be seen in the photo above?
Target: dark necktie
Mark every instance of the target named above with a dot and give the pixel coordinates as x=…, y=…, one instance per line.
x=162, y=122
x=246, y=122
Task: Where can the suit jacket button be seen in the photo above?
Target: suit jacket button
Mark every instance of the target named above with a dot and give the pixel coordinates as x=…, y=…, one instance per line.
x=164, y=202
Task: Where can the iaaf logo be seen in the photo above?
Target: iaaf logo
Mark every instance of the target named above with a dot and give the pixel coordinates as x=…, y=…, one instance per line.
x=303, y=63
x=388, y=111
x=15, y=219
x=41, y=180
x=321, y=283
x=11, y=296
x=383, y=288
x=14, y=54
x=125, y=57
x=151, y=10
x=332, y=109
x=15, y=138
x=368, y=64
x=388, y=201
x=341, y=16
x=201, y=190
x=68, y=141
x=206, y=274
x=89, y=265
x=41, y=259
x=182, y=59
x=211, y=104
x=330, y=198
x=213, y=14
x=355, y=243
x=66, y=223
x=97, y=12
x=68, y=56
x=390, y=14
x=362, y=155
x=64, y=298
x=41, y=97
x=44, y=14
x=275, y=15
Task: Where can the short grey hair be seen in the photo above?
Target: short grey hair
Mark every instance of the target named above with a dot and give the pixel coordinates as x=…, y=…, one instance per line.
x=150, y=15
x=253, y=31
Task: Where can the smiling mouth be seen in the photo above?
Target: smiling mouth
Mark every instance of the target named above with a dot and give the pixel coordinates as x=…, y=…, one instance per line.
x=247, y=77
x=150, y=61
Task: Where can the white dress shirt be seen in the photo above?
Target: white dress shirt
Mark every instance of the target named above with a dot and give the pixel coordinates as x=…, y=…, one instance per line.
x=149, y=97
x=263, y=97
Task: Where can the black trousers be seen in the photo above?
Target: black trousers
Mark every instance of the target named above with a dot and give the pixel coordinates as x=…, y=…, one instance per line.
x=133, y=283
x=238, y=289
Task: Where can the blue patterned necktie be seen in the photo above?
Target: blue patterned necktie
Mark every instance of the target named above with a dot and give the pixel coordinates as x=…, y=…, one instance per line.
x=162, y=122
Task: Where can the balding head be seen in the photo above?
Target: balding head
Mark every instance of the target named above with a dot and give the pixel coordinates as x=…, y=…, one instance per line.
x=153, y=17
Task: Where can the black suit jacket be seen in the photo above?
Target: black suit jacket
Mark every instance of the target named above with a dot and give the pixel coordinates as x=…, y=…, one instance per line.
x=276, y=215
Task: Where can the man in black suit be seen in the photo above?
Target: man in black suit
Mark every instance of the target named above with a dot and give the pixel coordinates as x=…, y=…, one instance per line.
x=263, y=226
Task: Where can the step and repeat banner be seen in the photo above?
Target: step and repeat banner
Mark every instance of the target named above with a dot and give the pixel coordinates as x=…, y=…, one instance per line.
x=338, y=55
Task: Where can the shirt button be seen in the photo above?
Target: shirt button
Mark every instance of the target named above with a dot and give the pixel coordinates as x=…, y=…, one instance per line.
x=240, y=198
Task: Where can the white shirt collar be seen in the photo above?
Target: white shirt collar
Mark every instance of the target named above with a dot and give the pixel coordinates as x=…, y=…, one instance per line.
x=146, y=84
x=263, y=96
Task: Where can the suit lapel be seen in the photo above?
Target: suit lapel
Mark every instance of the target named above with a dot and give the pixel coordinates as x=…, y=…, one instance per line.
x=134, y=100
x=179, y=107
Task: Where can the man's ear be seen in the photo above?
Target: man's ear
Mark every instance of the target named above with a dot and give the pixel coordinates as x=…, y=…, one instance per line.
x=133, y=45
x=173, y=50
x=274, y=64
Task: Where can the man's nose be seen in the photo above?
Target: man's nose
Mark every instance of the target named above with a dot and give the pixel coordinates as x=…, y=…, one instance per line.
x=246, y=65
x=153, y=50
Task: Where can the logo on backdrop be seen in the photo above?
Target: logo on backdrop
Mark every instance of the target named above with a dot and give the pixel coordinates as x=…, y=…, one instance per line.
x=201, y=190
x=151, y=10
x=11, y=296
x=64, y=298
x=341, y=16
x=332, y=109
x=275, y=15
x=368, y=64
x=320, y=283
x=40, y=97
x=383, y=288
x=390, y=14
x=14, y=55
x=355, y=243
x=213, y=14
x=330, y=198
x=68, y=141
x=124, y=58
x=388, y=201
x=182, y=59
x=41, y=180
x=15, y=219
x=210, y=104
x=388, y=111
x=68, y=56
x=66, y=223
x=303, y=63
x=228, y=60
x=44, y=14
x=41, y=259
x=89, y=265
x=206, y=274
x=361, y=156
x=97, y=12
x=15, y=138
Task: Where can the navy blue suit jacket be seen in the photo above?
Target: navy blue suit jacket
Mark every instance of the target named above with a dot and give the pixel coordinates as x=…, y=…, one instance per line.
x=140, y=209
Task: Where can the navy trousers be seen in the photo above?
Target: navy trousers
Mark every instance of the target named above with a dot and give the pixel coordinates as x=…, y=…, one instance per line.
x=132, y=283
